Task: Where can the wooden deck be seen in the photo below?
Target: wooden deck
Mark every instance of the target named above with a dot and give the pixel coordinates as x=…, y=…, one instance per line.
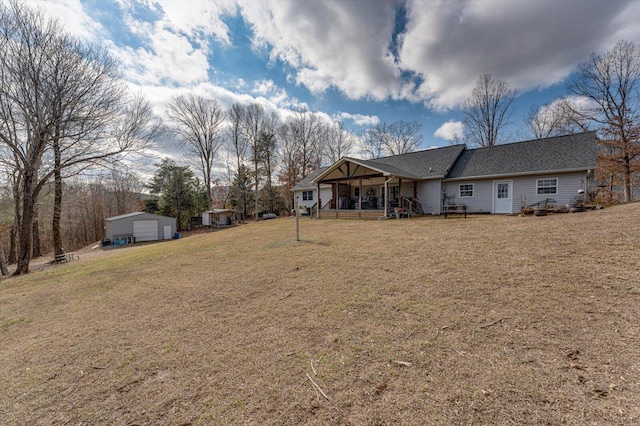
x=351, y=214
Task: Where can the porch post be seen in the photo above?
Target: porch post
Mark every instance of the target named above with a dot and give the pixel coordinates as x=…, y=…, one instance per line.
x=319, y=202
x=386, y=198
x=400, y=205
x=360, y=194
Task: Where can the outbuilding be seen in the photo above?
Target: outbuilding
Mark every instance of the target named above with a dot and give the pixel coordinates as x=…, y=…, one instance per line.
x=140, y=226
x=219, y=217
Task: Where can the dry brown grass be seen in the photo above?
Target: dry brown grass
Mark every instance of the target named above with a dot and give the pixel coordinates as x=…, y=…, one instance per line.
x=485, y=320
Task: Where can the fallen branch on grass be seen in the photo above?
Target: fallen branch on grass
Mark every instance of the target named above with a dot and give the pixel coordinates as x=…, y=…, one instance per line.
x=438, y=331
x=305, y=381
x=493, y=323
x=318, y=387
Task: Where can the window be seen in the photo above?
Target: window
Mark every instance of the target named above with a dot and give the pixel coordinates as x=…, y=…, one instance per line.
x=357, y=191
x=547, y=186
x=466, y=190
x=307, y=195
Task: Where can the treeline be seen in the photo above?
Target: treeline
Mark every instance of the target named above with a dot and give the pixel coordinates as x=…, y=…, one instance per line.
x=64, y=108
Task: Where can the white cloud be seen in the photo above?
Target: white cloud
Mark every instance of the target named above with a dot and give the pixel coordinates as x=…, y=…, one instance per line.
x=72, y=16
x=170, y=58
x=528, y=44
x=330, y=44
x=450, y=131
x=195, y=18
x=358, y=119
x=346, y=45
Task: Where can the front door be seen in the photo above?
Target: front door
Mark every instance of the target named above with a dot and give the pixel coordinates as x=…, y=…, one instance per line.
x=502, y=197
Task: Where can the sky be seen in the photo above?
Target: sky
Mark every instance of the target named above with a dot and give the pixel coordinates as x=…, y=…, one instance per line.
x=362, y=62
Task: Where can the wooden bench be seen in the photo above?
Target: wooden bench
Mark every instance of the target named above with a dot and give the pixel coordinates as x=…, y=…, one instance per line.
x=454, y=209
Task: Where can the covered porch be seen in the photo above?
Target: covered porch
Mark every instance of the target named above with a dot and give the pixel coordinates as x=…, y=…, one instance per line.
x=361, y=189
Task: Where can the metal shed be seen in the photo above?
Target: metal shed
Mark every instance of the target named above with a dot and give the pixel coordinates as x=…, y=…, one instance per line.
x=219, y=217
x=140, y=226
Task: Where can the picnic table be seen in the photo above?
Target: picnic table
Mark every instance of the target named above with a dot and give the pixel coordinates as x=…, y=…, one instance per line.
x=65, y=257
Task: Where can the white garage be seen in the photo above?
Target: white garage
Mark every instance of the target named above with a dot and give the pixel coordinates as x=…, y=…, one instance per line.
x=139, y=226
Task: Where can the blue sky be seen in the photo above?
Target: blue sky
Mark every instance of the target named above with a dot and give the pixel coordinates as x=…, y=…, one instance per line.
x=359, y=61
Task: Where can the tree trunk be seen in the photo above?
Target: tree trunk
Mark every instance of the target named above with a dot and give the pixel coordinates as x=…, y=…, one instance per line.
x=26, y=231
x=37, y=247
x=255, y=169
x=57, y=202
x=14, y=234
x=3, y=261
x=627, y=179
x=13, y=240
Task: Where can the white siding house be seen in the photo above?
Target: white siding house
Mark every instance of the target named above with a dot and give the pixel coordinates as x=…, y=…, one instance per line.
x=500, y=179
x=305, y=193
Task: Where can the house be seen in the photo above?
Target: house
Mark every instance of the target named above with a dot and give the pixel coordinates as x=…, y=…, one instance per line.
x=499, y=179
x=219, y=217
x=140, y=226
x=305, y=192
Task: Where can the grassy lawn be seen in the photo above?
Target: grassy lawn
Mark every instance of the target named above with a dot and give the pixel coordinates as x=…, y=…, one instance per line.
x=484, y=320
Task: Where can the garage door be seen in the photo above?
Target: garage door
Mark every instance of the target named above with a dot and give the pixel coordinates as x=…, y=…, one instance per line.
x=145, y=230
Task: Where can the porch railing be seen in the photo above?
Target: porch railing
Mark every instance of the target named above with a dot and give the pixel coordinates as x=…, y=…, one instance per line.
x=413, y=205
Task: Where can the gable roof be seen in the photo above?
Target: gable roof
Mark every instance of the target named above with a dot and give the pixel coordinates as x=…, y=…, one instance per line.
x=134, y=214
x=556, y=154
x=307, y=183
x=123, y=216
x=426, y=164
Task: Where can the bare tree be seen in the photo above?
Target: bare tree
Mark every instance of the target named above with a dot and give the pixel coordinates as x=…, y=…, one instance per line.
x=252, y=130
x=544, y=121
x=488, y=111
x=557, y=118
x=199, y=124
x=372, y=143
x=307, y=131
x=612, y=83
x=124, y=187
x=401, y=137
x=268, y=147
x=63, y=106
x=238, y=146
x=288, y=157
x=338, y=143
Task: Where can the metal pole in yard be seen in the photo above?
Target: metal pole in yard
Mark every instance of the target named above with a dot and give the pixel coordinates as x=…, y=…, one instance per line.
x=297, y=219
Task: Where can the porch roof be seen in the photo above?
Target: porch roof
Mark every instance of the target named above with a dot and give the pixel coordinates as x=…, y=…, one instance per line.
x=421, y=165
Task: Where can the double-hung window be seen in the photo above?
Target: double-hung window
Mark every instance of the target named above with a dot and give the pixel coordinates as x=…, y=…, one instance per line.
x=465, y=190
x=547, y=186
x=307, y=195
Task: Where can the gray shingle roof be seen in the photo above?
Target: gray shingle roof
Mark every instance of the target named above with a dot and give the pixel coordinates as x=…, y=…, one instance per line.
x=306, y=182
x=425, y=164
x=570, y=152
